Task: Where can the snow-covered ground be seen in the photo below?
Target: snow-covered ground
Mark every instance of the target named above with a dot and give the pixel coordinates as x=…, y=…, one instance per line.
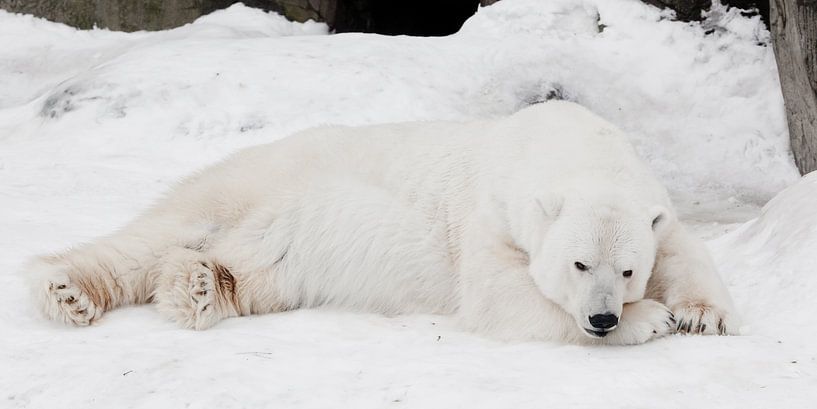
x=94, y=125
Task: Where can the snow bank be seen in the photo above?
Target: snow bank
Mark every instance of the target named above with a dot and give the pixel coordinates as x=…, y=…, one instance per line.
x=771, y=262
x=37, y=54
x=704, y=109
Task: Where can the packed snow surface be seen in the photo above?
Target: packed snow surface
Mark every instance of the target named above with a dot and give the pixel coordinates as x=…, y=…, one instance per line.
x=94, y=125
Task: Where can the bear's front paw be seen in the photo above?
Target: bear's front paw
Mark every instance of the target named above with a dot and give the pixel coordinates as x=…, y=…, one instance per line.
x=702, y=318
x=640, y=322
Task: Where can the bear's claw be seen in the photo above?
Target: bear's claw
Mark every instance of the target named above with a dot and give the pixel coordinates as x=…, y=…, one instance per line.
x=700, y=318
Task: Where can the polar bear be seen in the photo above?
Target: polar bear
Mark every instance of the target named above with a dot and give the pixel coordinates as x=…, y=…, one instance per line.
x=544, y=225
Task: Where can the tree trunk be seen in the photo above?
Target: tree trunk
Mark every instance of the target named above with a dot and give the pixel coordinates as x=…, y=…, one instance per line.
x=794, y=34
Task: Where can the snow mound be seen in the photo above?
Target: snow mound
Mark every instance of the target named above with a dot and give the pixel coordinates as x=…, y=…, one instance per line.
x=242, y=21
x=38, y=54
x=770, y=261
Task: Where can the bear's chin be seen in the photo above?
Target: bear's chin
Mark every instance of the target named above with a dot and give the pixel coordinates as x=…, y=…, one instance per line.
x=596, y=334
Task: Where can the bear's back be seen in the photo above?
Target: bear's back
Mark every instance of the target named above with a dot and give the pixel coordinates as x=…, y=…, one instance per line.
x=570, y=148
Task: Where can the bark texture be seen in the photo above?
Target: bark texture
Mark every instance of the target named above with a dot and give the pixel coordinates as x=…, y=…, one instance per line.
x=123, y=15
x=794, y=34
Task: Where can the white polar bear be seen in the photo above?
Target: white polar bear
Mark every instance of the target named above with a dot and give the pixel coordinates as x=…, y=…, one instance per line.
x=543, y=225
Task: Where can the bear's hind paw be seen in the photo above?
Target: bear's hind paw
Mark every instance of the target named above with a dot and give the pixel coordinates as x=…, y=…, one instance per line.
x=194, y=292
x=60, y=298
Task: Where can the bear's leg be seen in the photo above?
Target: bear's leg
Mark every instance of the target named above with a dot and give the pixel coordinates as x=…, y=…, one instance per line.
x=499, y=298
x=77, y=286
x=234, y=276
x=685, y=279
x=640, y=322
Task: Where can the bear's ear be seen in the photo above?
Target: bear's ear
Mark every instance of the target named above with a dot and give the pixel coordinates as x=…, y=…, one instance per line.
x=660, y=218
x=551, y=205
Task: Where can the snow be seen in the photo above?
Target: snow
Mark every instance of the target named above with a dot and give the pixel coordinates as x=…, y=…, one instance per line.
x=94, y=125
x=779, y=247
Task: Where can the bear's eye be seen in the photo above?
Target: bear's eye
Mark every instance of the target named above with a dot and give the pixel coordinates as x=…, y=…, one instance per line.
x=627, y=273
x=580, y=266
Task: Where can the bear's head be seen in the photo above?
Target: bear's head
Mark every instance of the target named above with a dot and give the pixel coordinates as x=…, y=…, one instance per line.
x=591, y=257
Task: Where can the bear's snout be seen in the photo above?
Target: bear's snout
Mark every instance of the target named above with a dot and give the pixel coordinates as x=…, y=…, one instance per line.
x=603, y=321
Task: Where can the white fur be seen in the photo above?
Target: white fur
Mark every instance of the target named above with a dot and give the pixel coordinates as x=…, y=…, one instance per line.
x=483, y=219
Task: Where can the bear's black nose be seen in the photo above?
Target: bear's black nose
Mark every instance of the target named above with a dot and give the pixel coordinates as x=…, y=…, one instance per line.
x=603, y=321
